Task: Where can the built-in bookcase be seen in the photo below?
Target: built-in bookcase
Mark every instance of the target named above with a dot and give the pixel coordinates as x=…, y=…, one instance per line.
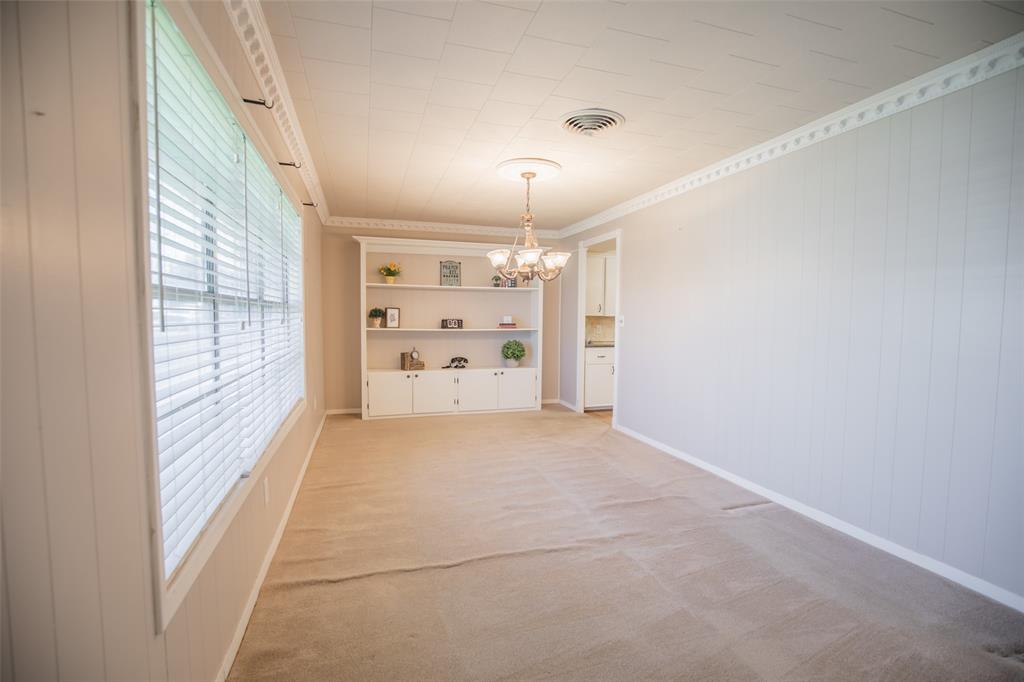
x=423, y=303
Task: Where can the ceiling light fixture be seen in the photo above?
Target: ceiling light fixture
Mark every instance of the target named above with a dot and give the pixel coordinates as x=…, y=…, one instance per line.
x=530, y=260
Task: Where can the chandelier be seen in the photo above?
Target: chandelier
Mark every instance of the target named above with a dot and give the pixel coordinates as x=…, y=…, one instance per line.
x=530, y=259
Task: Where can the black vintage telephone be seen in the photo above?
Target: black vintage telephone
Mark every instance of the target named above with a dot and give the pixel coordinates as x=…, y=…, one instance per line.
x=457, y=363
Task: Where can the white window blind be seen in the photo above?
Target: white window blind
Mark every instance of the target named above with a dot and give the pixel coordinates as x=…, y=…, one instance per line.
x=226, y=278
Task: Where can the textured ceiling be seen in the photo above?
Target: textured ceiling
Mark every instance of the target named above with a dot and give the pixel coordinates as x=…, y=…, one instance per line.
x=408, y=106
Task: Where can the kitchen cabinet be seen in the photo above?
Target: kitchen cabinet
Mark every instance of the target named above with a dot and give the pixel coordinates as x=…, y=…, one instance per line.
x=611, y=283
x=599, y=378
x=595, y=284
x=602, y=283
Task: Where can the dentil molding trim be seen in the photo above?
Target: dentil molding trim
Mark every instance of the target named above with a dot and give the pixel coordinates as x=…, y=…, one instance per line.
x=336, y=224
x=251, y=27
x=257, y=43
x=974, y=68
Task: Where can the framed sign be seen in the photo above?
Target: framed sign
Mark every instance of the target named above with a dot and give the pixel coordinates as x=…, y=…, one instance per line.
x=392, y=318
x=451, y=323
x=451, y=273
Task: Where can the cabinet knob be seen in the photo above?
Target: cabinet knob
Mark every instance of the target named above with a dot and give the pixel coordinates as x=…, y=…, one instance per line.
x=495, y=374
x=407, y=376
x=416, y=375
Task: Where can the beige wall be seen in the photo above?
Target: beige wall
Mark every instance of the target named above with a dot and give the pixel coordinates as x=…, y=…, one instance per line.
x=843, y=326
x=342, y=316
x=76, y=561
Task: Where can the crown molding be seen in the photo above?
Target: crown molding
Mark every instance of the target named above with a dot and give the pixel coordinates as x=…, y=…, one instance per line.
x=251, y=27
x=192, y=28
x=970, y=70
x=435, y=247
x=254, y=35
x=344, y=225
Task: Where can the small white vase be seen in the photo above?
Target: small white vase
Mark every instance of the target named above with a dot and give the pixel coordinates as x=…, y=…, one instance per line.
x=375, y=322
x=389, y=279
x=511, y=362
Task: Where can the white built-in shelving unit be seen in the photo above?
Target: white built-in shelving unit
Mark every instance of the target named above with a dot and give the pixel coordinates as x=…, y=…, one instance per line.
x=486, y=384
x=432, y=287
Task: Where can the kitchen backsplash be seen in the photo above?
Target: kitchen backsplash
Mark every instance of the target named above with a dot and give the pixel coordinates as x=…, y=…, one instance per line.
x=600, y=329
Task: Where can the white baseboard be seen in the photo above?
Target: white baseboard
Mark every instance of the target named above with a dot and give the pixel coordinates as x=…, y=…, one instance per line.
x=250, y=604
x=565, y=404
x=347, y=410
x=549, y=401
x=972, y=582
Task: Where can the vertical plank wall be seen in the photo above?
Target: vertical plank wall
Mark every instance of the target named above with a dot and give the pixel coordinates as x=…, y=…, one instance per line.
x=79, y=601
x=845, y=326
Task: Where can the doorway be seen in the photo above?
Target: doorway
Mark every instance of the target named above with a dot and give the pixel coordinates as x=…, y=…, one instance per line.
x=598, y=325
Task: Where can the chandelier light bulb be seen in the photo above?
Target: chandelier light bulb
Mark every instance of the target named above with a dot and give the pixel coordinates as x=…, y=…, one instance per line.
x=528, y=257
x=556, y=260
x=499, y=257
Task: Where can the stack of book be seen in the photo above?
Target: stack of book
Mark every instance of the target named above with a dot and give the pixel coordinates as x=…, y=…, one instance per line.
x=506, y=325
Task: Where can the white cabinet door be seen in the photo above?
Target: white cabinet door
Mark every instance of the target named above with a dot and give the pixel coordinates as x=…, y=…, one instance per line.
x=595, y=284
x=433, y=392
x=478, y=390
x=517, y=388
x=611, y=283
x=599, y=386
x=390, y=393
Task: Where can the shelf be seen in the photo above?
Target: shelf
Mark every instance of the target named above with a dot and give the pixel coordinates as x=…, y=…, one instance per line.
x=437, y=287
x=424, y=303
x=449, y=331
x=447, y=369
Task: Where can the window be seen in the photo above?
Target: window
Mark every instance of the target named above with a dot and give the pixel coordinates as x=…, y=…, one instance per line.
x=226, y=278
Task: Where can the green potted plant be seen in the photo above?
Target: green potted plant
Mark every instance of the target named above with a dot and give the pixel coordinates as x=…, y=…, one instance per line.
x=390, y=271
x=513, y=351
x=376, y=315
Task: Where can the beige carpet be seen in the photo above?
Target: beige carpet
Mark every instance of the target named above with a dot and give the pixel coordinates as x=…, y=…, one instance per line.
x=432, y=549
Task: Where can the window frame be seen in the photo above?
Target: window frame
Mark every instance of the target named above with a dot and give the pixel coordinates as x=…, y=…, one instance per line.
x=171, y=590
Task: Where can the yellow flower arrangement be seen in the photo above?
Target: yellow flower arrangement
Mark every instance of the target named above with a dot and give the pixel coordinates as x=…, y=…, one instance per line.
x=392, y=269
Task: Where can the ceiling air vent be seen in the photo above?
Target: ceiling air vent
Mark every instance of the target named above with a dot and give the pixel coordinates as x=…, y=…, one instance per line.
x=592, y=122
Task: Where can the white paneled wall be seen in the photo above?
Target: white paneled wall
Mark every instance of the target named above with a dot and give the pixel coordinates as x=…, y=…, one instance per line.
x=845, y=326
x=79, y=600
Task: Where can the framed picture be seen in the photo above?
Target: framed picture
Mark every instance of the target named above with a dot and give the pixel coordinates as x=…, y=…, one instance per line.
x=392, y=318
x=451, y=273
